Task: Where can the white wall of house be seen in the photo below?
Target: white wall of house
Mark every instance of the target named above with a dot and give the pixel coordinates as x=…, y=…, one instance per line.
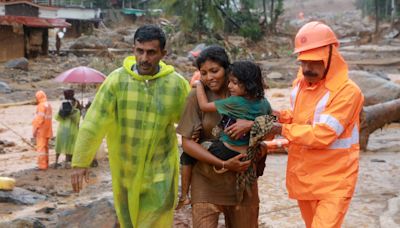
x=46, y=13
x=2, y=10
x=79, y=14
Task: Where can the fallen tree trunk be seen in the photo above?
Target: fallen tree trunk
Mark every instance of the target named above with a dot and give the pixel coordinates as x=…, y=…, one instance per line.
x=28, y=102
x=376, y=116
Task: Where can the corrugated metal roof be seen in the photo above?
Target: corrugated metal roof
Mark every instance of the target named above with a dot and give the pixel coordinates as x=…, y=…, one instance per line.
x=34, y=21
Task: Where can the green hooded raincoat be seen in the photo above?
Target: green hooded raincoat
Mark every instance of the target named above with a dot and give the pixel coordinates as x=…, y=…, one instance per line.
x=137, y=115
x=67, y=131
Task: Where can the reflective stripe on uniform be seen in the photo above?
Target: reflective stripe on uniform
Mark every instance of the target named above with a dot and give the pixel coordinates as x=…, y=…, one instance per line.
x=320, y=107
x=293, y=96
x=331, y=122
x=346, y=143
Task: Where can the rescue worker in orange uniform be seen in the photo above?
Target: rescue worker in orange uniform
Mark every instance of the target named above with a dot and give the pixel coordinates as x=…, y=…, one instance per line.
x=322, y=127
x=42, y=129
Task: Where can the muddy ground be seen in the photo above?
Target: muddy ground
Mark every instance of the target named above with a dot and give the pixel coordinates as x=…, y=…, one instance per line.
x=378, y=180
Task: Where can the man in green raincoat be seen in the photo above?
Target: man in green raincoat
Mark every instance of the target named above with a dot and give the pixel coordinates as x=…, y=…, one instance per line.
x=136, y=108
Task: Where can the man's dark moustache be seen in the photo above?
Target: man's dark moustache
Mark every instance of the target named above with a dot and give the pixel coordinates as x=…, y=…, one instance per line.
x=145, y=64
x=310, y=74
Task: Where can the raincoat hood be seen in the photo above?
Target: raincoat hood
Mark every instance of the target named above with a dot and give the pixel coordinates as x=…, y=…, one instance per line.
x=338, y=70
x=131, y=60
x=41, y=96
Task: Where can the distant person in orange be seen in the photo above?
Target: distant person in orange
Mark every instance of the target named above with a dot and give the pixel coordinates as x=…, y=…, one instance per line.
x=42, y=129
x=322, y=127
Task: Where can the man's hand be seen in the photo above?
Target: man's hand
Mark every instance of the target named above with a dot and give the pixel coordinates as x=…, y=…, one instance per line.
x=77, y=176
x=241, y=127
x=234, y=164
x=276, y=129
x=196, y=134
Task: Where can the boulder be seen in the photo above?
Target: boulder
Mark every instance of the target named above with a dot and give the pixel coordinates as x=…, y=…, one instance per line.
x=21, y=196
x=23, y=223
x=98, y=213
x=91, y=42
x=20, y=63
x=375, y=89
x=4, y=88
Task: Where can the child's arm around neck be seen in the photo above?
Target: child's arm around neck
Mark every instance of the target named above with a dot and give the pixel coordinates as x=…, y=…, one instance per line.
x=202, y=99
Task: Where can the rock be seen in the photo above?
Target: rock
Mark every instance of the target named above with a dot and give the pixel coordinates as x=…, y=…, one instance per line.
x=20, y=63
x=90, y=42
x=99, y=213
x=20, y=196
x=6, y=143
x=4, y=88
x=390, y=218
x=275, y=75
x=375, y=89
x=46, y=210
x=23, y=223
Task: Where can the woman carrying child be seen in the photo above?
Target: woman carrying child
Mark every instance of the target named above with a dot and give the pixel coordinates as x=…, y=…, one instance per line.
x=214, y=193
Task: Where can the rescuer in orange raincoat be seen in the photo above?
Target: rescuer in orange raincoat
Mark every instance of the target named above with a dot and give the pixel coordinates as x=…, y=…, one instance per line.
x=42, y=129
x=322, y=127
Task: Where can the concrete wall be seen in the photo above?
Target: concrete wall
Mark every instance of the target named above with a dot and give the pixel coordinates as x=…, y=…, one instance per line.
x=78, y=14
x=47, y=13
x=12, y=45
x=2, y=10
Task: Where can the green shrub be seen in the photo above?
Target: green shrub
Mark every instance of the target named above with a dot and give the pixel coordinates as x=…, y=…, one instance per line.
x=252, y=31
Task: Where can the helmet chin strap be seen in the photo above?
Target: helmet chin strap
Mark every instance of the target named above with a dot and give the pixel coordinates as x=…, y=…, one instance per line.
x=329, y=61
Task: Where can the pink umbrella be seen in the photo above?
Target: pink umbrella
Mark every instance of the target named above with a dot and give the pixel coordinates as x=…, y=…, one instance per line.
x=81, y=75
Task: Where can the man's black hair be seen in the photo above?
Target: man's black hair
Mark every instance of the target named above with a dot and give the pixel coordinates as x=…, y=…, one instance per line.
x=149, y=33
x=213, y=53
x=249, y=75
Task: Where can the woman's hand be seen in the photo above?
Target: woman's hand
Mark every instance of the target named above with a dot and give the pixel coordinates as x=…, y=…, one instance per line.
x=241, y=127
x=234, y=164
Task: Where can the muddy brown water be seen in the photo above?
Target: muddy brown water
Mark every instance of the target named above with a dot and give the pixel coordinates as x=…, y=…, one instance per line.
x=378, y=179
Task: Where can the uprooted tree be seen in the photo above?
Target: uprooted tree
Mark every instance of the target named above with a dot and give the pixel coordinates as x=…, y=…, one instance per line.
x=377, y=116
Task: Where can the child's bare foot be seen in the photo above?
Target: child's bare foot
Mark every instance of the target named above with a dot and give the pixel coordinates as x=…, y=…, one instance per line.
x=182, y=202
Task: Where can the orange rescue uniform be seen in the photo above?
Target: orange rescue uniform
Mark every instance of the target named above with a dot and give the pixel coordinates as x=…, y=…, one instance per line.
x=42, y=129
x=322, y=127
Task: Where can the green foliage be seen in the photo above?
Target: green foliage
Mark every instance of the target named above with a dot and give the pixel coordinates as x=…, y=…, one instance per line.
x=232, y=16
x=103, y=4
x=384, y=7
x=251, y=30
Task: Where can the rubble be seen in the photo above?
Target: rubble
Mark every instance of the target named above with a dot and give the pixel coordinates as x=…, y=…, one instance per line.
x=21, y=196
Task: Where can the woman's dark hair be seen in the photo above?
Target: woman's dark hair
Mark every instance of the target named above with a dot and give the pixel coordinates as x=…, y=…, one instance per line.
x=65, y=109
x=249, y=75
x=149, y=33
x=214, y=53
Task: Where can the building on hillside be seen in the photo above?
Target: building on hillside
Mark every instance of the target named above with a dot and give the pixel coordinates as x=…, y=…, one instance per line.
x=79, y=13
x=24, y=29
